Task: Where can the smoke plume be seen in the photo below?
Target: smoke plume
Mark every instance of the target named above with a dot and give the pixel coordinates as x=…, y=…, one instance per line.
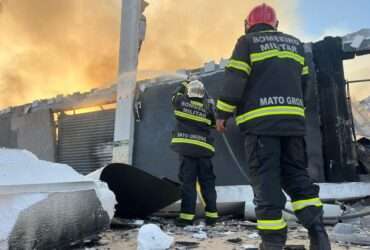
x=185, y=34
x=51, y=47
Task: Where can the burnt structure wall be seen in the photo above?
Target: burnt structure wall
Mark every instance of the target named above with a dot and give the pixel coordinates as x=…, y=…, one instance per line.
x=31, y=131
x=340, y=159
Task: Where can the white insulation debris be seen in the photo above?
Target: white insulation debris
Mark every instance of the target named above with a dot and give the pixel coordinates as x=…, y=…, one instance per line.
x=25, y=180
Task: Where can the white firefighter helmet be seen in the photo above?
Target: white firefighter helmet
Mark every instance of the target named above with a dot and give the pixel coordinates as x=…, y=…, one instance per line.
x=195, y=89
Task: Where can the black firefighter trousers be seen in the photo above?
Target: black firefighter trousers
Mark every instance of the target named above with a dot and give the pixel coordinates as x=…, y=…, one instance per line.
x=191, y=171
x=277, y=163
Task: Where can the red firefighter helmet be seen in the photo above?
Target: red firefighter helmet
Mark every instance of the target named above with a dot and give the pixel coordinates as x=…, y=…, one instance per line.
x=262, y=14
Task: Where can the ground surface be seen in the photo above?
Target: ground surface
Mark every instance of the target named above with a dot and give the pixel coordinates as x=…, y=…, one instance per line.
x=217, y=238
x=219, y=243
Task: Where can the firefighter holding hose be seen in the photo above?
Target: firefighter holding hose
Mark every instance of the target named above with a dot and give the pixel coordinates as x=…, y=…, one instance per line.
x=191, y=139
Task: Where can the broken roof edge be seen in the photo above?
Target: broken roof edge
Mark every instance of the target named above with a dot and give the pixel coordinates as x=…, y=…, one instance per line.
x=103, y=96
x=209, y=68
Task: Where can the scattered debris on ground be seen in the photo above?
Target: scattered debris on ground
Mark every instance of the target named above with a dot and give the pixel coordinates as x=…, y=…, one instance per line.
x=151, y=237
x=231, y=234
x=351, y=234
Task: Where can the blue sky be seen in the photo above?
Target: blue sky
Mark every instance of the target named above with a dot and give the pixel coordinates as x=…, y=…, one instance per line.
x=338, y=17
x=320, y=16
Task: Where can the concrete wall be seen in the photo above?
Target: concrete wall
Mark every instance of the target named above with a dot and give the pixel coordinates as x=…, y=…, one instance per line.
x=34, y=131
x=8, y=138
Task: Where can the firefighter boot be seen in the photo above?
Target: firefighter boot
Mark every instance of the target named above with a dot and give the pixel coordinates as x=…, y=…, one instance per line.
x=211, y=222
x=319, y=239
x=273, y=240
x=183, y=223
x=268, y=246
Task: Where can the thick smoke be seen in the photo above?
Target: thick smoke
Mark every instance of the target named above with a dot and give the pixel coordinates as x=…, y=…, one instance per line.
x=185, y=34
x=51, y=47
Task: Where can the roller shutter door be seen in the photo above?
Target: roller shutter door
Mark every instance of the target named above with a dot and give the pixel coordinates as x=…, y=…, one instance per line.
x=85, y=140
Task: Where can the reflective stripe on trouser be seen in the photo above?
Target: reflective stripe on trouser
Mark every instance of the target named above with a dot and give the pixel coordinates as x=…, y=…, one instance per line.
x=276, y=163
x=301, y=204
x=192, y=169
x=271, y=224
x=213, y=215
x=270, y=111
x=194, y=142
x=185, y=216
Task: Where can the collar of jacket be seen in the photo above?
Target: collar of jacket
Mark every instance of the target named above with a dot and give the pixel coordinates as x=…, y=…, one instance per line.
x=260, y=28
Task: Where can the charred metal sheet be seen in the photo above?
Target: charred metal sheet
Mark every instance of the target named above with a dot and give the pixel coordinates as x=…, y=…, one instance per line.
x=313, y=124
x=138, y=193
x=339, y=150
x=58, y=221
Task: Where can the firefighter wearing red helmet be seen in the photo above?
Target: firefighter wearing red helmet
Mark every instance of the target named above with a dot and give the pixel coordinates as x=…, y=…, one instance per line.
x=263, y=90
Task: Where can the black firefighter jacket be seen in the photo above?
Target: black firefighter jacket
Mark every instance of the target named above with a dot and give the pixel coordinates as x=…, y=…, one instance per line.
x=194, y=120
x=264, y=84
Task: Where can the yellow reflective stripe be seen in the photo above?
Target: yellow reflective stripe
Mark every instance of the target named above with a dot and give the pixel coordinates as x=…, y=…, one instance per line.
x=305, y=71
x=239, y=65
x=271, y=224
x=223, y=106
x=301, y=204
x=195, y=103
x=213, y=215
x=193, y=117
x=261, y=56
x=194, y=142
x=267, y=111
x=185, y=216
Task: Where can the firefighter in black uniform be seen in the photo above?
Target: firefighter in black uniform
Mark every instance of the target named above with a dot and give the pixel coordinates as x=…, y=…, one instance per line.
x=263, y=89
x=192, y=141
